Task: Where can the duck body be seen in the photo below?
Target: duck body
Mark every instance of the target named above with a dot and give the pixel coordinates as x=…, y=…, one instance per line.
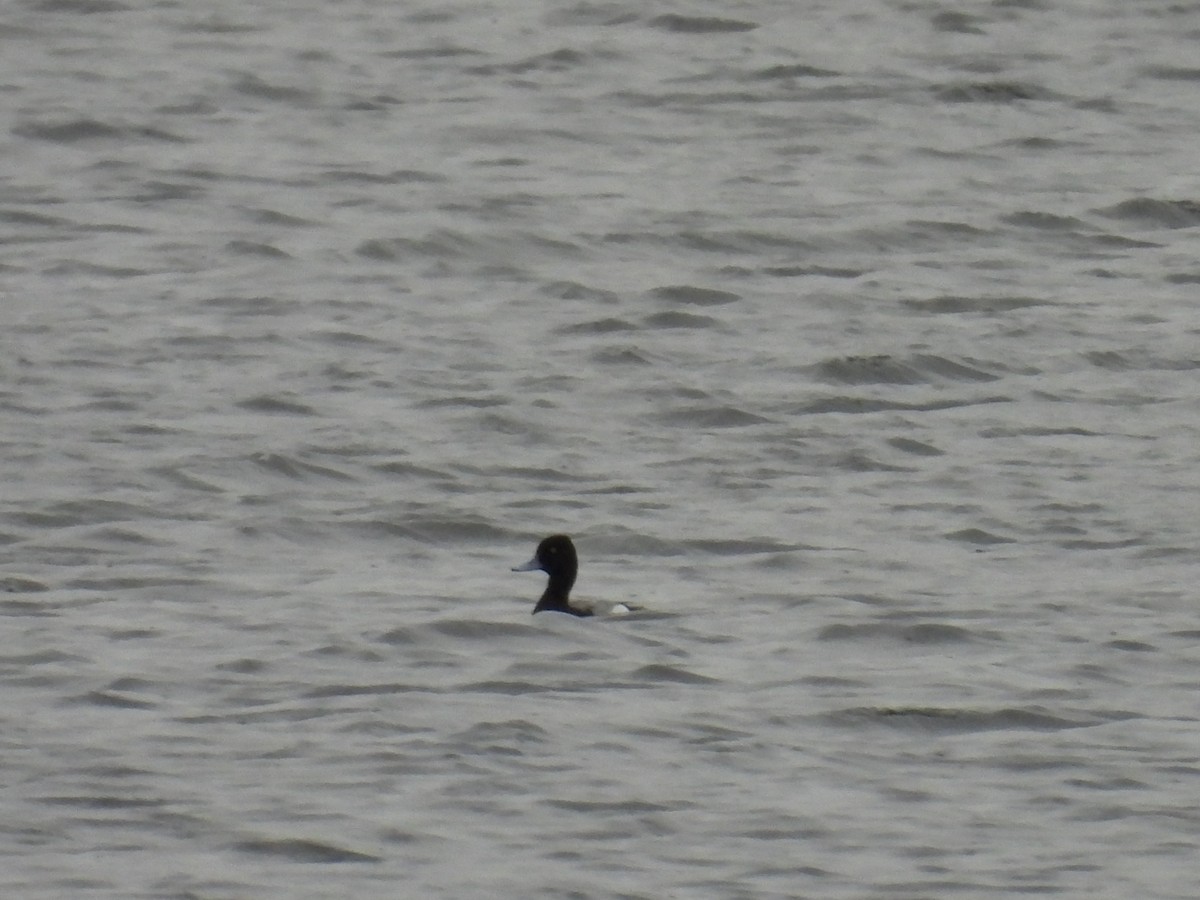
x=556, y=557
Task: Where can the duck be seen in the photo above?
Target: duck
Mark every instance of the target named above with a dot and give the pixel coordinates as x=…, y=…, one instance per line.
x=556, y=557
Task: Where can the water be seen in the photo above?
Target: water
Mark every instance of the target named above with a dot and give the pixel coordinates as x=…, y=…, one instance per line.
x=857, y=341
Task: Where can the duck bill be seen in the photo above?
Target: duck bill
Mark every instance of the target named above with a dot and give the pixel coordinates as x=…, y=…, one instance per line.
x=532, y=566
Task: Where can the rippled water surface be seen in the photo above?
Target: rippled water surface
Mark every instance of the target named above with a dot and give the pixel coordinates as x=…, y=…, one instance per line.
x=856, y=341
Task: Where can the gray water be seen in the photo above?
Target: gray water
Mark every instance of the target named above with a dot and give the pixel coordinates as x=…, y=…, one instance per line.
x=857, y=341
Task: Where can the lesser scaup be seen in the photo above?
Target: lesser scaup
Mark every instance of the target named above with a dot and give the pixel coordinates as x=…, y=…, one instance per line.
x=556, y=557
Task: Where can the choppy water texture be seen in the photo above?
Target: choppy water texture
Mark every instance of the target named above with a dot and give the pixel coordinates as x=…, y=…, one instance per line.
x=857, y=340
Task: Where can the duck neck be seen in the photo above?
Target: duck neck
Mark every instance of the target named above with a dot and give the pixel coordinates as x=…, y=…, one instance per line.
x=556, y=596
